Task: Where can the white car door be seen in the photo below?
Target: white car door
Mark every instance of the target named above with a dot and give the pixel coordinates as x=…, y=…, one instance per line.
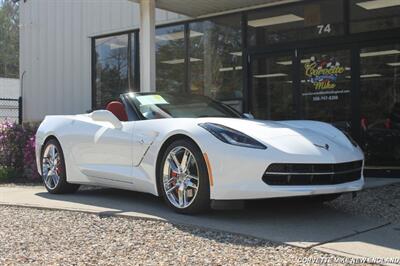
x=107, y=152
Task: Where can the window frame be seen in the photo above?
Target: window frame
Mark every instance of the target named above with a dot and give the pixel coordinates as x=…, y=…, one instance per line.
x=133, y=80
x=353, y=40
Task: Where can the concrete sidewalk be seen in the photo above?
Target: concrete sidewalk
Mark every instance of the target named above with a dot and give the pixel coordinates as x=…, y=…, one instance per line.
x=288, y=221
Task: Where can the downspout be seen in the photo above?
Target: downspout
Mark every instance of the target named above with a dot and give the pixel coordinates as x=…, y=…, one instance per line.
x=20, y=107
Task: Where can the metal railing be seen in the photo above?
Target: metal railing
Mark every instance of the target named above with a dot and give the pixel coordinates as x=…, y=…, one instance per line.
x=11, y=109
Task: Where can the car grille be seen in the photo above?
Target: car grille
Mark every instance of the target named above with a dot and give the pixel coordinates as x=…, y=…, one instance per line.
x=278, y=174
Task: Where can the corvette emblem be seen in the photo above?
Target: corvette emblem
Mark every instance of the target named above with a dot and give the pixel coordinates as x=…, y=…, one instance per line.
x=326, y=146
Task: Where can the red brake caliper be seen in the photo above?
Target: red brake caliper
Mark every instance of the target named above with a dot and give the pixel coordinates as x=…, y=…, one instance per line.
x=59, y=168
x=174, y=175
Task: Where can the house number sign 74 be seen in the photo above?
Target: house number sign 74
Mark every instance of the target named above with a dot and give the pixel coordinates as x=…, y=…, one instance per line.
x=324, y=28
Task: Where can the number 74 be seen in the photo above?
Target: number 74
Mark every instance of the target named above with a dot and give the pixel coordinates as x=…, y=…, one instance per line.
x=324, y=28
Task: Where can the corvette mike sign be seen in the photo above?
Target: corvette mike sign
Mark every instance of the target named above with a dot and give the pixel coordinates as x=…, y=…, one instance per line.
x=323, y=74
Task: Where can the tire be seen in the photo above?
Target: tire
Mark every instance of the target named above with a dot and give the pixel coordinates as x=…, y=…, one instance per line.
x=54, y=175
x=324, y=198
x=183, y=184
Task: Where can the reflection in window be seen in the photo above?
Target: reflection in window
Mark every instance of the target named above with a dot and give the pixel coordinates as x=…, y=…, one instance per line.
x=295, y=22
x=170, y=58
x=380, y=104
x=325, y=85
x=216, y=59
x=111, y=68
x=272, y=93
x=367, y=15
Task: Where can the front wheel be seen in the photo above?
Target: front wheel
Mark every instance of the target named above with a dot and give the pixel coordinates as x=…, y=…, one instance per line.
x=53, y=169
x=183, y=178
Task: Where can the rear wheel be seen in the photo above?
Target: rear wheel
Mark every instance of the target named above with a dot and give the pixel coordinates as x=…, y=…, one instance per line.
x=183, y=178
x=53, y=169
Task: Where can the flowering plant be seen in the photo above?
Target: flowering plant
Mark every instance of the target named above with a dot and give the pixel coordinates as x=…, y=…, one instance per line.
x=17, y=150
x=30, y=168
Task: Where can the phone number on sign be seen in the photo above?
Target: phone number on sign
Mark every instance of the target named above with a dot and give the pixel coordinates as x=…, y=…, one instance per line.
x=325, y=98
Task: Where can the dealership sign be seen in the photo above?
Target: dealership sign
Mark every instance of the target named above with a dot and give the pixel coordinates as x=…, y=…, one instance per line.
x=323, y=73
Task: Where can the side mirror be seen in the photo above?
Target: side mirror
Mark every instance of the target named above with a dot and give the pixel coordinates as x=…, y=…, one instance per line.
x=248, y=116
x=106, y=116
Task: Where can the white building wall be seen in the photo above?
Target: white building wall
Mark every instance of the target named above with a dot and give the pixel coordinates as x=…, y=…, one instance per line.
x=55, y=50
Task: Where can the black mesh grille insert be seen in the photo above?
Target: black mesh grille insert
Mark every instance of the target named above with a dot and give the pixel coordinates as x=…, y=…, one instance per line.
x=312, y=174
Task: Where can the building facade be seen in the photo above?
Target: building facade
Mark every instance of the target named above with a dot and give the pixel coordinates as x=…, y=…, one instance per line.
x=331, y=60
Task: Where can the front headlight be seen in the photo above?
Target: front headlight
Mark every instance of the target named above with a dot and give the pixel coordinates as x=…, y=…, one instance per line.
x=231, y=136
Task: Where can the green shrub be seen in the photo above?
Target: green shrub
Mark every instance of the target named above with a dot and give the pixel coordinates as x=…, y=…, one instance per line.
x=6, y=173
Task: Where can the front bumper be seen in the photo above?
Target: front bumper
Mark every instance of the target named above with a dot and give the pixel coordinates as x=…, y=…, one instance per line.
x=238, y=172
x=266, y=191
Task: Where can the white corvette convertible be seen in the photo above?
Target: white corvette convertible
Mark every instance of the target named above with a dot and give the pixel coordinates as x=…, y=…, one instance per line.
x=191, y=150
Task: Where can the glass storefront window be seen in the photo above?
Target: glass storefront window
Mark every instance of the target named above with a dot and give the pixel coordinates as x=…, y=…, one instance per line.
x=295, y=22
x=380, y=103
x=111, y=68
x=272, y=90
x=216, y=59
x=170, y=58
x=325, y=86
x=367, y=15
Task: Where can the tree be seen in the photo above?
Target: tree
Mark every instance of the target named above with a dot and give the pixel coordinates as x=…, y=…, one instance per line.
x=9, y=39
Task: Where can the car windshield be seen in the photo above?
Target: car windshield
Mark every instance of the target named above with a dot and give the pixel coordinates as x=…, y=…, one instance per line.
x=168, y=105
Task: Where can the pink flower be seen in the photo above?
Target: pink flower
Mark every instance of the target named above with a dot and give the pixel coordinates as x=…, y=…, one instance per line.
x=17, y=146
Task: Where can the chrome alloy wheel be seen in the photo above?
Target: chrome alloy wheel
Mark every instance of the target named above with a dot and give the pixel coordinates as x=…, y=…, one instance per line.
x=51, y=166
x=180, y=177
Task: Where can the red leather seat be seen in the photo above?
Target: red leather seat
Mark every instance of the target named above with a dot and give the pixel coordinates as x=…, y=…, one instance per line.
x=117, y=108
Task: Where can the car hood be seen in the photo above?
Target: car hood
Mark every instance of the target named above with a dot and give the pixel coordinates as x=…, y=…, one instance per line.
x=296, y=137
